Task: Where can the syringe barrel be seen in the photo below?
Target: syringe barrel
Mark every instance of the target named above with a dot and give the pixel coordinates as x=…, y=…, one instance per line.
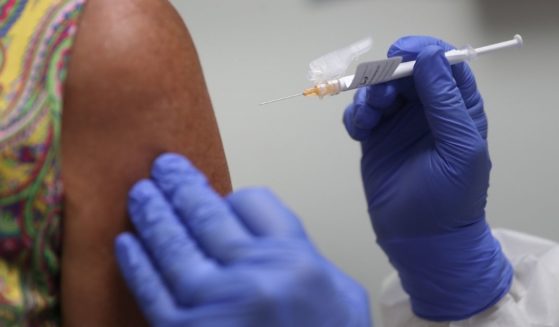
x=405, y=69
x=454, y=57
x=458, y=56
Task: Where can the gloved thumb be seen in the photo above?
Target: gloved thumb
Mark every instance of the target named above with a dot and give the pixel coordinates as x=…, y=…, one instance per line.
x=452, y=127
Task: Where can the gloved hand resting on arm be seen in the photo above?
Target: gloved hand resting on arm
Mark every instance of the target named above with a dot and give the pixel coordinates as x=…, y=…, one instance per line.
x=200, y=260
x=425, y=169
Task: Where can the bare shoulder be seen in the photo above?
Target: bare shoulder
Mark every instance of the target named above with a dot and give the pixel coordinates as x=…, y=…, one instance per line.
x=134, y=90
x=134, y=64
x=131, y=30
x=135, y=41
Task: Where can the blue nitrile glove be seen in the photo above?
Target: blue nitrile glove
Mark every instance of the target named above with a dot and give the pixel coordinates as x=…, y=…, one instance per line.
x=425, y=169
x=202, y=261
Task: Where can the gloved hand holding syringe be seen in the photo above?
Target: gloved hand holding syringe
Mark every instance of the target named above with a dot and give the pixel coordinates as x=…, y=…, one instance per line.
x=331, y=66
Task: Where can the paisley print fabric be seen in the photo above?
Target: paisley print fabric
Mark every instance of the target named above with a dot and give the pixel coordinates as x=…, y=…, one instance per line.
x=35, y=41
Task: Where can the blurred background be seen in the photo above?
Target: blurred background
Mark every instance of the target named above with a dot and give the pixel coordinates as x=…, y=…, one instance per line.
x=257, y=50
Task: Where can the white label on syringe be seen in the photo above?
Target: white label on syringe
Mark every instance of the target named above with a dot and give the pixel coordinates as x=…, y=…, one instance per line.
x=374, y=72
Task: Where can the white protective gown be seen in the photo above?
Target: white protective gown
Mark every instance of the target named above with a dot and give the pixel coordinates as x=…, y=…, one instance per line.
x=532, y=301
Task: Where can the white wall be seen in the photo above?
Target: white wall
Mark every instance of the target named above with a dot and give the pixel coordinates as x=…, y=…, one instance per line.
x=255, y=50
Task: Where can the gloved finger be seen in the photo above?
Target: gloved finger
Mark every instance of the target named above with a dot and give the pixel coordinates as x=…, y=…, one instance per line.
x=451, y=125
x=181, y=263
x=210, y=220
x=466, y=83
x=409, y=47
x=264, y=214
x=142, y=279
x=368, y=107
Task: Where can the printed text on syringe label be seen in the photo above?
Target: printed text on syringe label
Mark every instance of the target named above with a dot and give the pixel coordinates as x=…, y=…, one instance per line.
x=374, y=72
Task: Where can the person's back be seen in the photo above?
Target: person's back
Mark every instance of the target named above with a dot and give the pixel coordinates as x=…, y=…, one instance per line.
x=98, y=88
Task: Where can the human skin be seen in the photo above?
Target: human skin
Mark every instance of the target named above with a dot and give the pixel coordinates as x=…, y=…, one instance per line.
x=135, y=89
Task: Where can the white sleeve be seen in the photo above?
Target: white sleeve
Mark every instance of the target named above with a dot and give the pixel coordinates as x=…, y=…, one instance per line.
x=532, y=301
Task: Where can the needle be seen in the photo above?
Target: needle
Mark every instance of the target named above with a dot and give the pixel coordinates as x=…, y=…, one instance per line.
x=281, y=99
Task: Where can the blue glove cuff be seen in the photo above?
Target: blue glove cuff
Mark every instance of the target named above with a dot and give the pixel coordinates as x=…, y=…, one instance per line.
x=452, y=276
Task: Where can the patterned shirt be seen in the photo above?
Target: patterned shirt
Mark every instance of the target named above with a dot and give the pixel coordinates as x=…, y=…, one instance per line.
x=35, y=41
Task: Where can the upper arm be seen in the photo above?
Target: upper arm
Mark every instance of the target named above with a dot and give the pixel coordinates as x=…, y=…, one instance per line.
x=134, y=90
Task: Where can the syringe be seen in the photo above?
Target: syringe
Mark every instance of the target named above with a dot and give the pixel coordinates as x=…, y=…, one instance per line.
x=376, y=72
